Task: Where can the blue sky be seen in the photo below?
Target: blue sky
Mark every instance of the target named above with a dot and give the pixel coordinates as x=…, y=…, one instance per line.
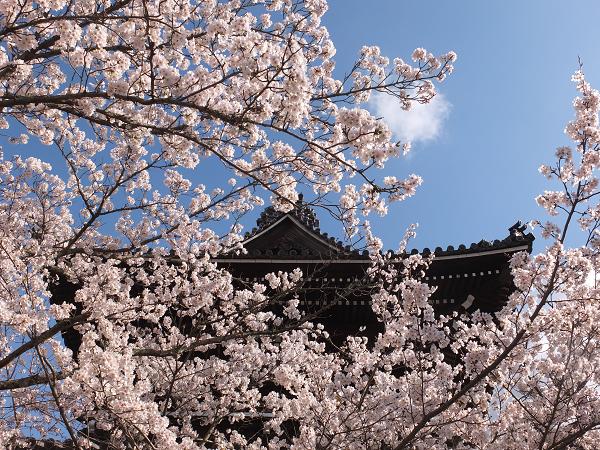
x=505, y=106
x=509, y=100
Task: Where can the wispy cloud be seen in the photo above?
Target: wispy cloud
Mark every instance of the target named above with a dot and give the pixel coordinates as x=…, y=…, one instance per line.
x=423, y=122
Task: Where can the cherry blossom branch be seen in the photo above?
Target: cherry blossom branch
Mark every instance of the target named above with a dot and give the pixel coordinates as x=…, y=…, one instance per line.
x=37, y=339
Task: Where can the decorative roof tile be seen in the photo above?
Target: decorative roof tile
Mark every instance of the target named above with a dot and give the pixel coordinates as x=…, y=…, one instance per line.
x=301, y=211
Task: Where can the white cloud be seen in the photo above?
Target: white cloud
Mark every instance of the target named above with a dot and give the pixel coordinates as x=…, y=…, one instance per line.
x=423, y=122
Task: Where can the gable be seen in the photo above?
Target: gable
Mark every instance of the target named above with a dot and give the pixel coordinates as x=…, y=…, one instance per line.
x=288, y=237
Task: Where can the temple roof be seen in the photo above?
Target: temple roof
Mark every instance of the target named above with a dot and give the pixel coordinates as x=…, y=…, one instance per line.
x=296, y=235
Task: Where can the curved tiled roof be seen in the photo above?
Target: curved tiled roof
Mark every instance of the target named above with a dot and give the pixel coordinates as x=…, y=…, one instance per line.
x=305, y=216
x=515, y=238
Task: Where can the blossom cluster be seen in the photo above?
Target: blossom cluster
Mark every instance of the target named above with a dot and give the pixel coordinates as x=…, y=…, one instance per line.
x=112, y=249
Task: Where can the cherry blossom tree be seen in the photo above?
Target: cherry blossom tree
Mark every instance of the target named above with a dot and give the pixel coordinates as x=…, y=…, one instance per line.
x=135, y=103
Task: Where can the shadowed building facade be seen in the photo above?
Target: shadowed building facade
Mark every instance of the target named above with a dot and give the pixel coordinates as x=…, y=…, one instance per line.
x=335, y=290
x=466, y=278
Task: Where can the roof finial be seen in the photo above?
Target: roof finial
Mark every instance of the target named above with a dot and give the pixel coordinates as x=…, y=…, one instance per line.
x=518, y=229
x=301, y=211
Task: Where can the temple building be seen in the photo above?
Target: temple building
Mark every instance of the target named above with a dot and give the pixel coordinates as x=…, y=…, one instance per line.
x=335, y=290
x=467, y=278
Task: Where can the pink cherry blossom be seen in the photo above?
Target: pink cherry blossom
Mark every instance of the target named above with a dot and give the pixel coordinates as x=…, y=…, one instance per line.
x=141, y=100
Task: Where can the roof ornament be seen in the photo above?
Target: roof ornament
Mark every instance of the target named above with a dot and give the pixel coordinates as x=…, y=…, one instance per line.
x=518, y=229
x=301, y=211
